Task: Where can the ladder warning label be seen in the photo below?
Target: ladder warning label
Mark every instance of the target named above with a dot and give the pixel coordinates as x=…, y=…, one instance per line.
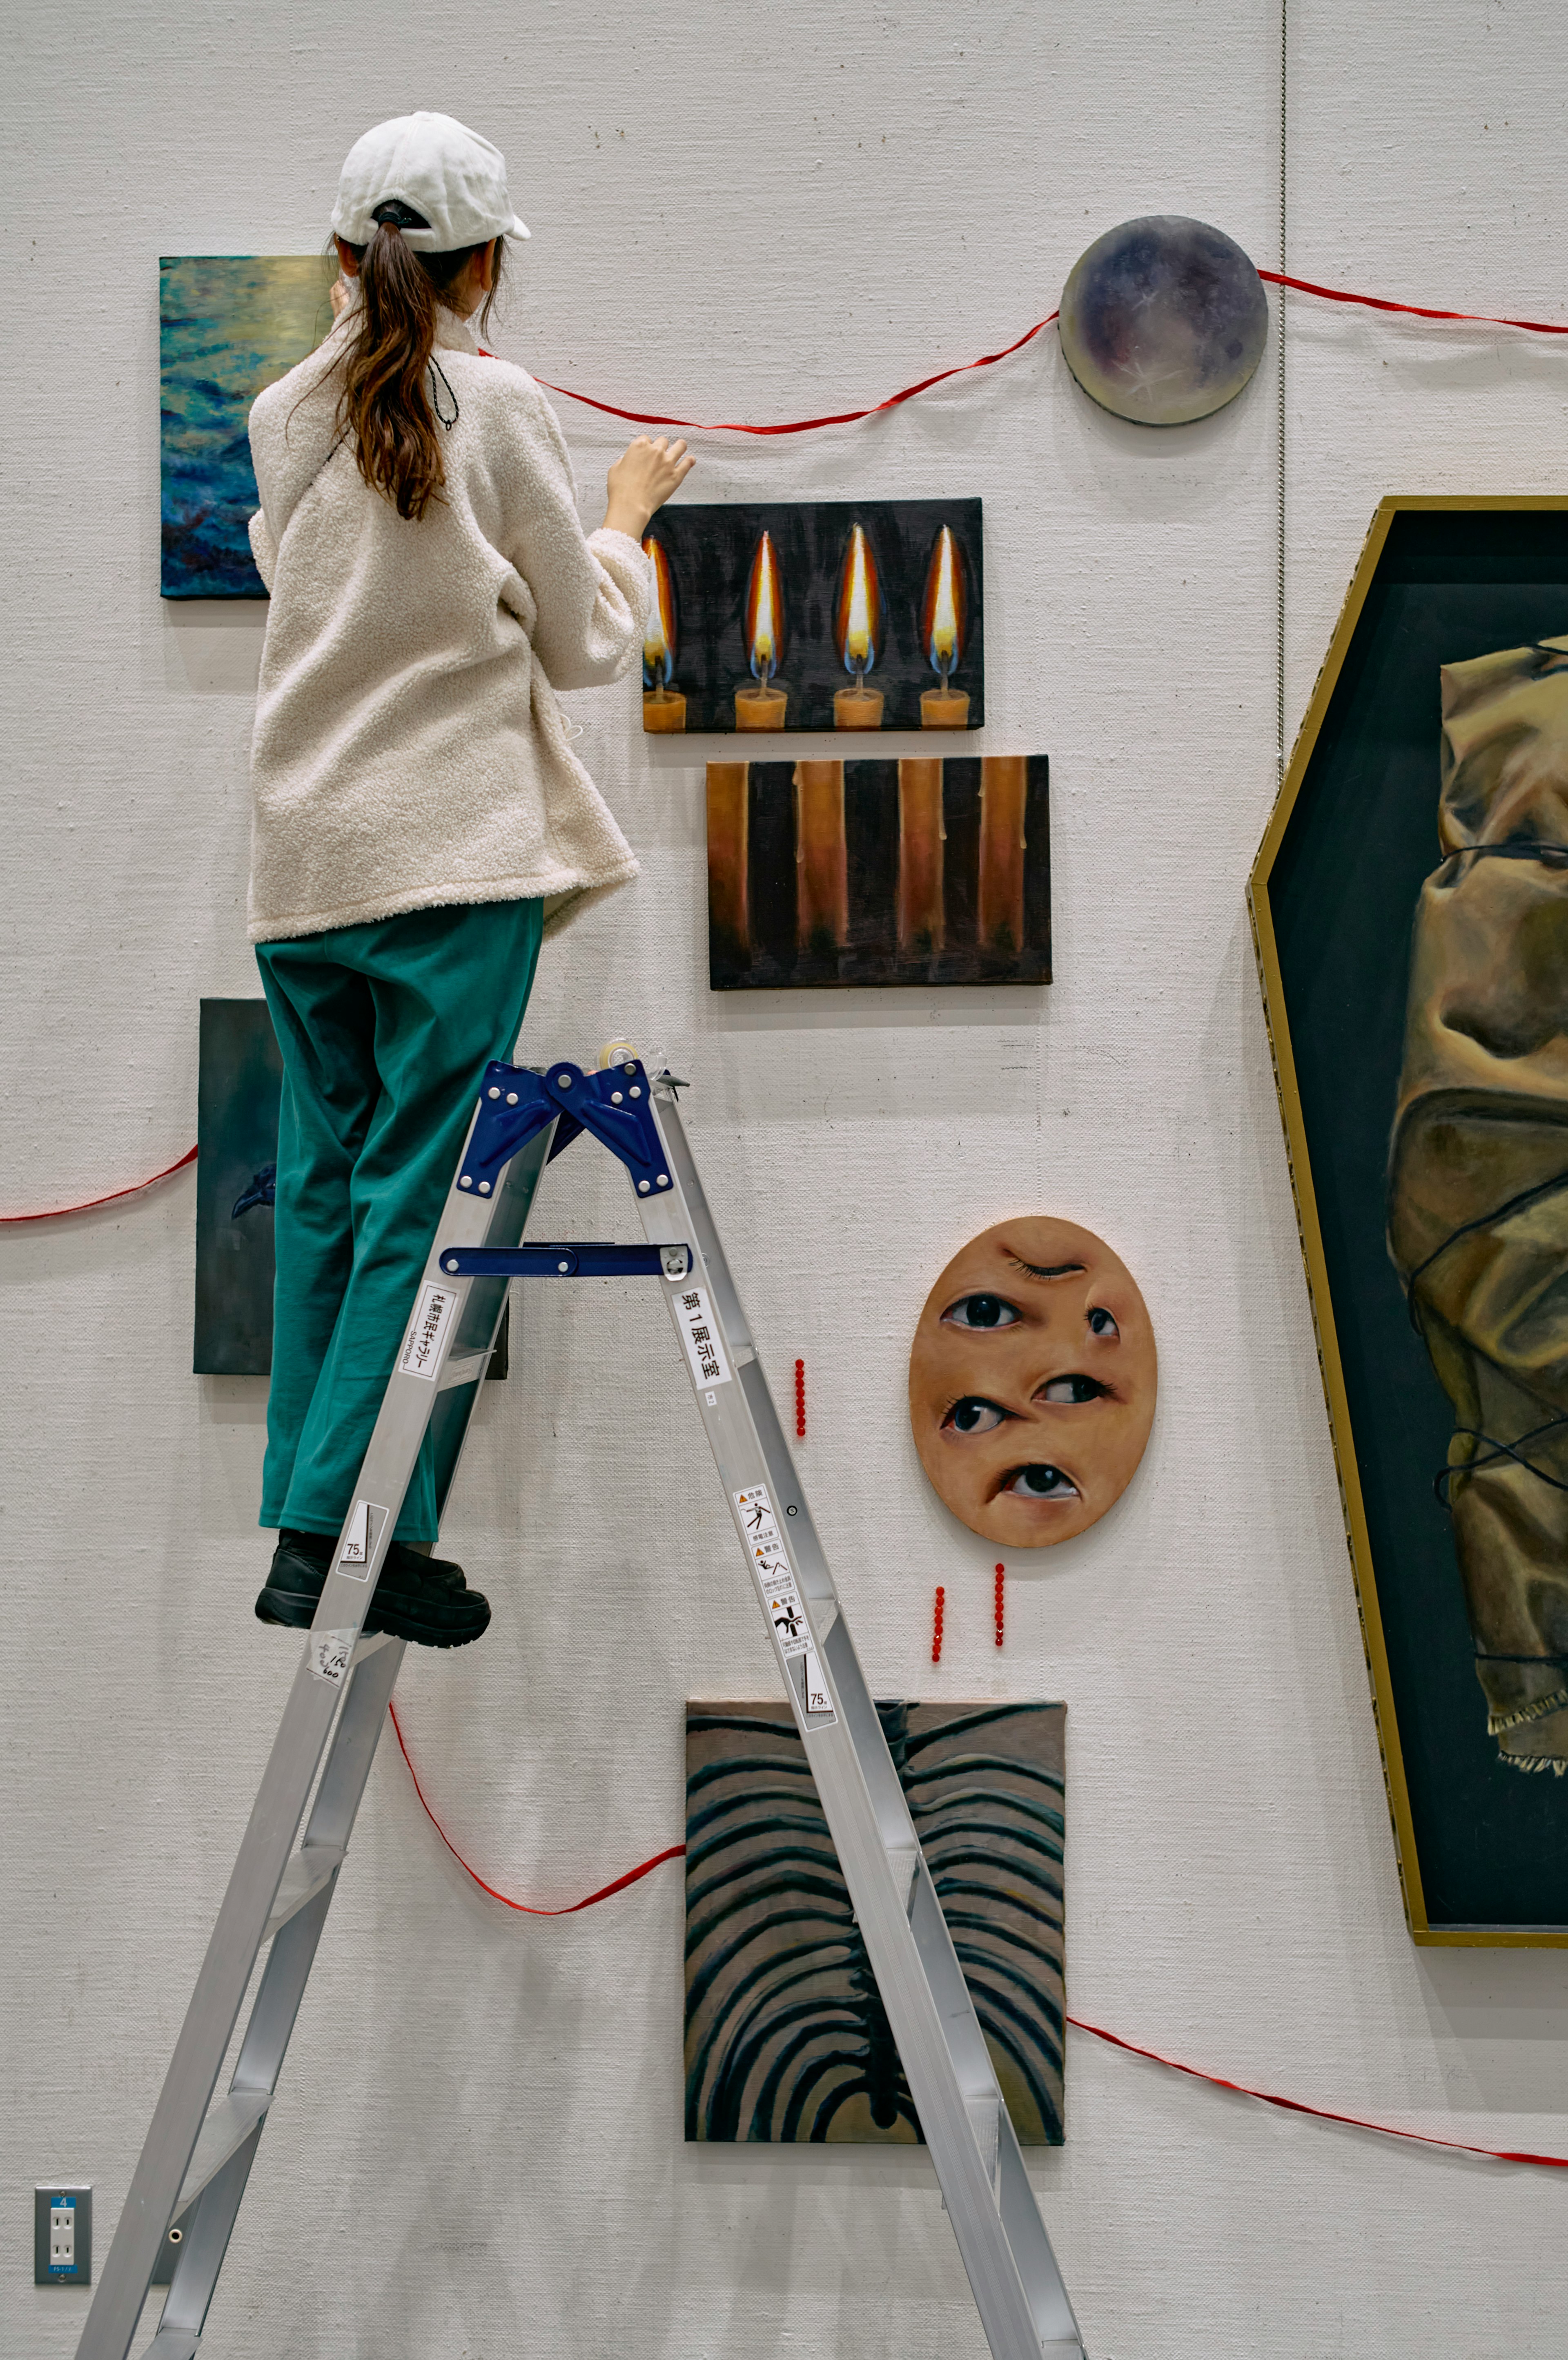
x=427, y=1332
x=776, y=1580
x=330, y=1653
x=353, y=1557
x=700, y=1334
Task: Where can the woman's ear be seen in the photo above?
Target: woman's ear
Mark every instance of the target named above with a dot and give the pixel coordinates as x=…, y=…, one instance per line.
x=348, y=261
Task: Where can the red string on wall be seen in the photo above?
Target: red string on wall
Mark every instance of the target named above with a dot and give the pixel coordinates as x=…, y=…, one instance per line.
x=936, y=1624
x=1097, y=2031
x=1001, y=1577
x=56, y=1212
x=989, y=360
x=1413, y=311
x=526, y=1909
x=800, y=1401
x=803, y=425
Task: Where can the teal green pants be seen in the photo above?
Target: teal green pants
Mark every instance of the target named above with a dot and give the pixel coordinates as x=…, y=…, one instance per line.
x=385, y=1031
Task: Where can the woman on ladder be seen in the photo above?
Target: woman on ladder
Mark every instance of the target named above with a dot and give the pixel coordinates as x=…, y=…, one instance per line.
x=416, y=801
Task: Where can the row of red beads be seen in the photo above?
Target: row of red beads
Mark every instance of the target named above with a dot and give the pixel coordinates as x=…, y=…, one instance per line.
x=940, y=1614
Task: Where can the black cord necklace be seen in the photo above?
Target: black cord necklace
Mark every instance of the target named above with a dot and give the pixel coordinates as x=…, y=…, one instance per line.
x=438, y=380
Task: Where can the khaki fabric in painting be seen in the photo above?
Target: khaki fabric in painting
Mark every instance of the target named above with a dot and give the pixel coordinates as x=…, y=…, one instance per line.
x=1478, y=1172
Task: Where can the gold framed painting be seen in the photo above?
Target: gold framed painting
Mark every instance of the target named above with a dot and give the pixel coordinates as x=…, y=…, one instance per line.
x=1409, y=907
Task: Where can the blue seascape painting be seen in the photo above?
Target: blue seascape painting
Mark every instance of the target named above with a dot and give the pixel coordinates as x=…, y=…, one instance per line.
x=230, y=323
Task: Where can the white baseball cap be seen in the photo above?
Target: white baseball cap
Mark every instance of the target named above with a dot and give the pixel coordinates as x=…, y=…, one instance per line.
x=437, y=168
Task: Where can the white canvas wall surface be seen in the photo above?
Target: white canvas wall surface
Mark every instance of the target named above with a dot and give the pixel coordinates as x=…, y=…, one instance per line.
x=760, y=213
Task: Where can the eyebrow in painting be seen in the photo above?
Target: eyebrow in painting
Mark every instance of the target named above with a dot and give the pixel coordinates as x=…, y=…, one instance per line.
x=1050, y=1270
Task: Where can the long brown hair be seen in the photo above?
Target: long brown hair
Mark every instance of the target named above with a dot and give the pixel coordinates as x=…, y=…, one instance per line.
x=386, y=401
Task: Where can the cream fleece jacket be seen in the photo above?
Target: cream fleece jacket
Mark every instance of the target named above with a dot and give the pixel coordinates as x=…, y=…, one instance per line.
x=408, y=748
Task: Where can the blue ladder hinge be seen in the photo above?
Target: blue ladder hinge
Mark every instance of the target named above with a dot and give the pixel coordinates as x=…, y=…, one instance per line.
x=516, y=1104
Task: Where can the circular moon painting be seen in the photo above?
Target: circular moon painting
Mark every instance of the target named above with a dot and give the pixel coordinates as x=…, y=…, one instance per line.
x=1031, y=1381
x=1164, y=320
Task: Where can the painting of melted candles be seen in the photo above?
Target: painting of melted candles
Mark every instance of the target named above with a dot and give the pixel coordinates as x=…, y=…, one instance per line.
x=663, y=707
x=858, y=629
x=934, y=870
x=762, y=706
x=816, y=614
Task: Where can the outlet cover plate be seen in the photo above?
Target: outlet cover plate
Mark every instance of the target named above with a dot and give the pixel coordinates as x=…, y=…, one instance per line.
x=51, y=2196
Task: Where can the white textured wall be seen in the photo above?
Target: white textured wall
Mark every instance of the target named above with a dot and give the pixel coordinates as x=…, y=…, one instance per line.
x=760, y=213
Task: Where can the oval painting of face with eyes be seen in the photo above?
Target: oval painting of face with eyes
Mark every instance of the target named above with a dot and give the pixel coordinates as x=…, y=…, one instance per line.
x=1031, y=1383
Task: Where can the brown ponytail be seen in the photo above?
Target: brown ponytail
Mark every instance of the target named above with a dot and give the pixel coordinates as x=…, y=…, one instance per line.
x=386, y=401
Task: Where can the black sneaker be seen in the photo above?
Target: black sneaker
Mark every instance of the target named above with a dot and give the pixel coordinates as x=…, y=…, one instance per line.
x=426, y=1600
x=293, y=1588
x=423, y=1599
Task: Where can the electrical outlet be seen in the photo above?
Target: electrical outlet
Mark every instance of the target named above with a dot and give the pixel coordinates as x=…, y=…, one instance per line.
x=62, y=2235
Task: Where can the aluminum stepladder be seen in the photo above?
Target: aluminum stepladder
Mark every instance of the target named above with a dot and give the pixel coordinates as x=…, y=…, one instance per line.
x=199, y=2149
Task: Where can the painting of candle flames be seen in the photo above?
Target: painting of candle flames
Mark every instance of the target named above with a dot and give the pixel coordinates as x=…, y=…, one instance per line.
x=815, y=615
x=932, y=871
x=787, y=2039
x=664, y=708
x=763, y=707
x=941, y=628
x=857, y=628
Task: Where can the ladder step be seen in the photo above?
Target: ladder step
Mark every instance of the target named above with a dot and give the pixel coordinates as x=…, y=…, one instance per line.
x=904, y=1860
x=225, y=2131
x=466, y=1371
x=308, y=1870
x=984, y=2112
x=173, y=2344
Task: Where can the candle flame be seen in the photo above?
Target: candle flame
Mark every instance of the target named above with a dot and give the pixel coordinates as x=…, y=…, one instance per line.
x=942, y=614
x=859, y=621
x=765, y=612
x=658, y=631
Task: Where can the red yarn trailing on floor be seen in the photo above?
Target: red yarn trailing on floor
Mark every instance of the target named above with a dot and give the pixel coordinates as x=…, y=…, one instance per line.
x=1114, y=2039
x=56, y=1212
x=800, y=1401
x=1001, y=1577
x=936, y=1624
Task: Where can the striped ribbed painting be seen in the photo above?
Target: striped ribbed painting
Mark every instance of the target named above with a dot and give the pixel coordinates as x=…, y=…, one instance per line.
x=787, y=2039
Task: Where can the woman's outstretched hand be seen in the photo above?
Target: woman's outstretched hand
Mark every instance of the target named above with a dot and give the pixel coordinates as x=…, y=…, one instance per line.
x=641, y=480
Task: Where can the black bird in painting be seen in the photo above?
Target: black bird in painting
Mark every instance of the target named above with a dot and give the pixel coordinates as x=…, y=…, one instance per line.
x=259, y=1189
